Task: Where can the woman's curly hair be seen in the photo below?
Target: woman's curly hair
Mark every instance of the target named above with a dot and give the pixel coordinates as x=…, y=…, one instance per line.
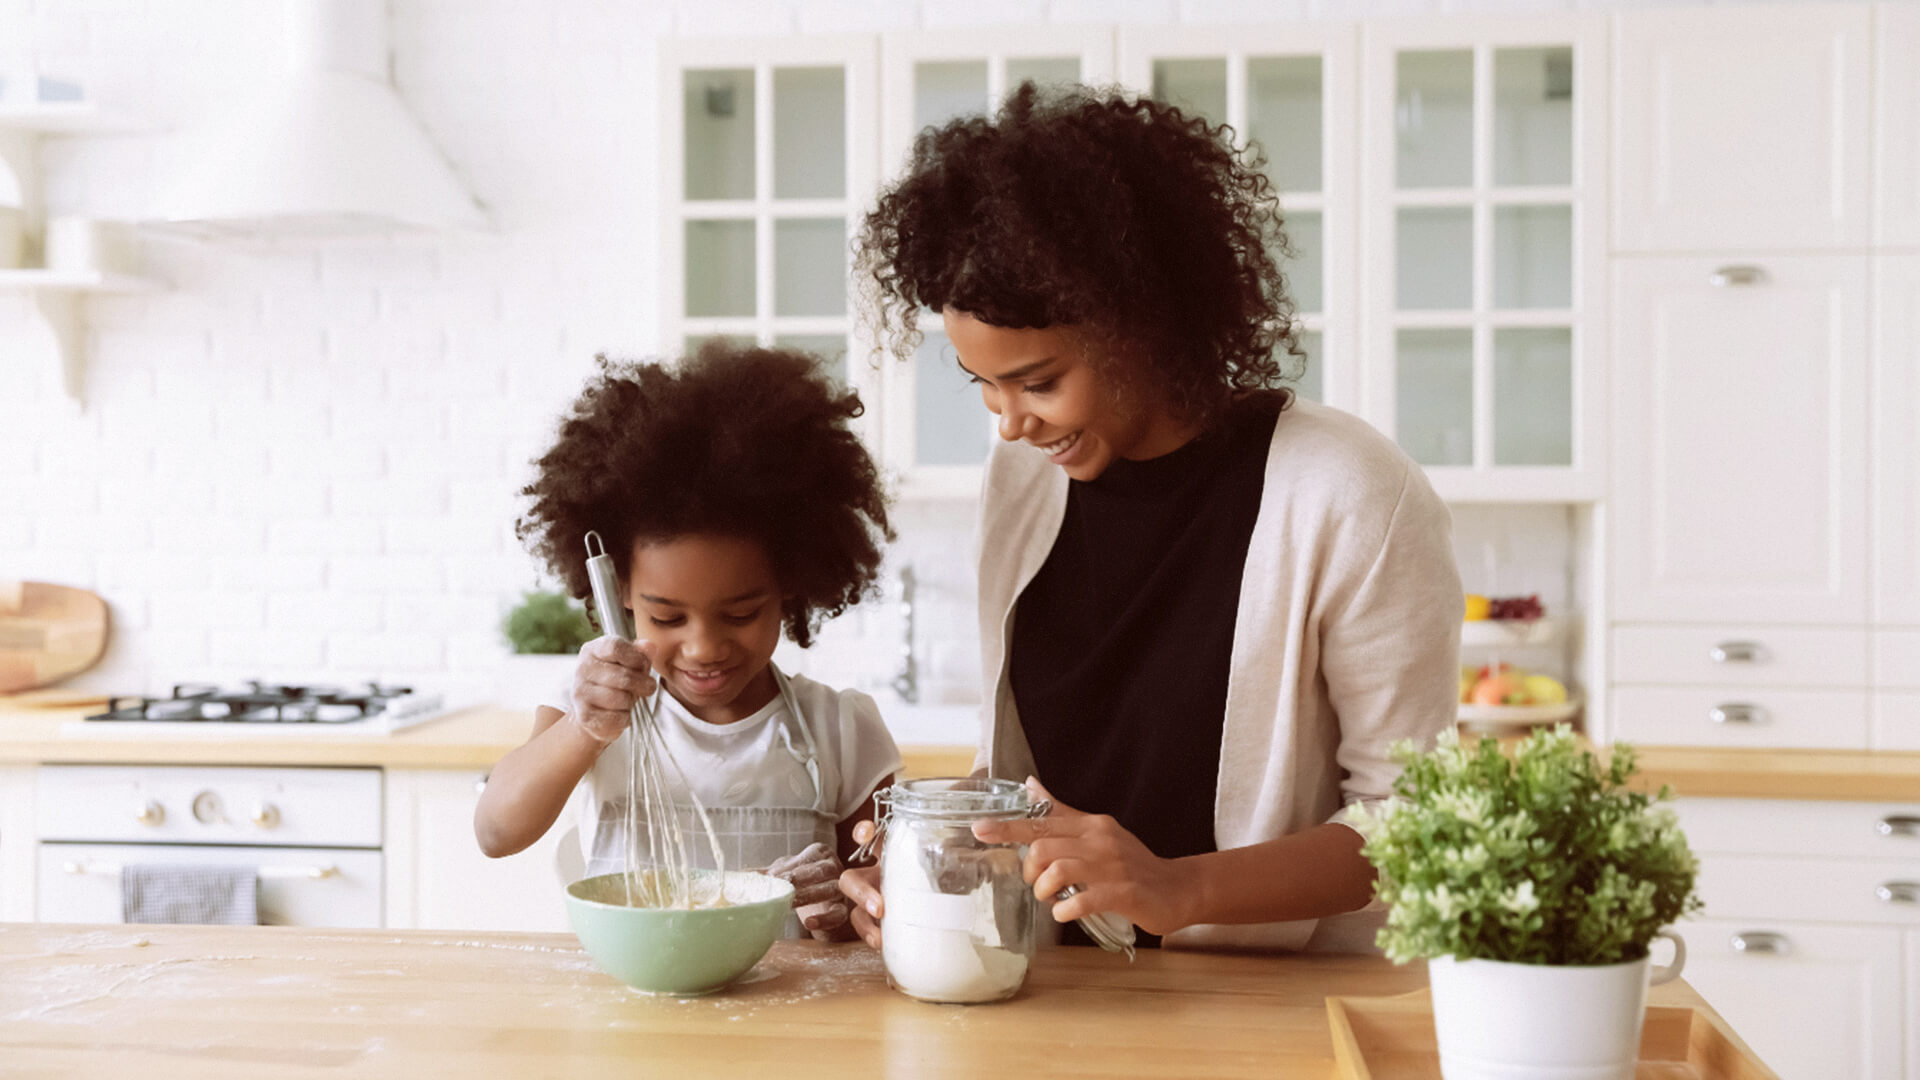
x=1076, y=206
x=734, y=441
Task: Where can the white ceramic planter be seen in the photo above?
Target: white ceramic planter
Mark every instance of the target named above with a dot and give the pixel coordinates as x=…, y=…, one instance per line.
x=1501, y=1021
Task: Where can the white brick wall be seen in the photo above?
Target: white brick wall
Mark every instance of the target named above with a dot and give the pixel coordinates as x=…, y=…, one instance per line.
x=300, y=460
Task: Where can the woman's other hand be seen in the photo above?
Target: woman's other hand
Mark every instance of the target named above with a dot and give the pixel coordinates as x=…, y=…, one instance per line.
x=817, y=899
x=1114, y=870
x=611, y=676
x=861, y=886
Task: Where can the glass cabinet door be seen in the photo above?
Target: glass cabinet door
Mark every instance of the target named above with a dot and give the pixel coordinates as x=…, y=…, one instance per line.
x=1483, y=170
x=776, y=164
x=1288, y=93
x=938, y=431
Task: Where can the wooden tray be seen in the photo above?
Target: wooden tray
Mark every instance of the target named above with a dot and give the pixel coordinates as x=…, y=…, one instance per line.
x=1391, y=1038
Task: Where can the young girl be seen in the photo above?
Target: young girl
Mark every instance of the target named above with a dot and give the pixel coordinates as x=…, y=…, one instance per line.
x=738, y=504
x=1207, y=609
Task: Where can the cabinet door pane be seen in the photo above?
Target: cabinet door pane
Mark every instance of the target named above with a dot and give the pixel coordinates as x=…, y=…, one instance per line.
x=950, y=424
x=719, y=134
x=830, y=348
x=944, y=89
x=1043, y=70
x=1533, y=256
x=1433, y=115
x=1533, y=116
x=1306, y=271
x=809, y=133
x=1434, y=391
x=1433, y=257
x=1198, y=87
x=810, y=266
x=1310, y=383
x=1284, y=110
x=720, y=279
x=1533, y=396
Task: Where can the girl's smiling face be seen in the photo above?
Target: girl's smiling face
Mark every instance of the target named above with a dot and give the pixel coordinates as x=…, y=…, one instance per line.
x=1047, y=396
x=709, y=608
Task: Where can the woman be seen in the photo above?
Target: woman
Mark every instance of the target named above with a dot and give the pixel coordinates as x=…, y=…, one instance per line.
x=1206, y=608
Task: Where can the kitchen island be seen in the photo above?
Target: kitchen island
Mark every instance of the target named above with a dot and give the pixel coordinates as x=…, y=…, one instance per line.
x=164, y=1002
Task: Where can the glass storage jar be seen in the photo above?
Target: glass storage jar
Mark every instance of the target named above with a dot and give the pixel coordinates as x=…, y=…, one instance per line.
x=960, y=921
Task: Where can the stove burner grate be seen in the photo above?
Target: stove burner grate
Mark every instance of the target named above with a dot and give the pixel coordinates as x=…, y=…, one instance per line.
x=260, y=703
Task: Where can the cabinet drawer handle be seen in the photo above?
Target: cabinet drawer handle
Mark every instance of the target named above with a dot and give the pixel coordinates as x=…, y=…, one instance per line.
x=1898, y=825
x=1735, y=713
x=1762, y=942
x=1735, y=652
x=1737, y=275
x=1898, y=892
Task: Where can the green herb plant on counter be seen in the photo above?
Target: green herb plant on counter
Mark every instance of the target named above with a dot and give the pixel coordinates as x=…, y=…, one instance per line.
x=1540, y=858
x=547, y=623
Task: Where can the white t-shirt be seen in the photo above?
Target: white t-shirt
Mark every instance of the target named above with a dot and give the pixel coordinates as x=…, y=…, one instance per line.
x=758, y=760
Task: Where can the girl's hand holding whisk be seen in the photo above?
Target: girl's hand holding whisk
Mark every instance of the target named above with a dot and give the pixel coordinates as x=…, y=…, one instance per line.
x=611, y=676
x=817, y=899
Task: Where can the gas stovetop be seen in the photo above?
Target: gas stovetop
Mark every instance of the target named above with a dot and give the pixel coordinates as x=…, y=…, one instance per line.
x=369, y=707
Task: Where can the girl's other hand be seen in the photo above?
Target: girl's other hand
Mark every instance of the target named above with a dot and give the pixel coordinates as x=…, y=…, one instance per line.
x=861, y=886
x=611, y=676
x=817, y=899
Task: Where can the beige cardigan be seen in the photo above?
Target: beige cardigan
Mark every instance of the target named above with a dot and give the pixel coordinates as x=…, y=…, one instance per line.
x=1346, y=639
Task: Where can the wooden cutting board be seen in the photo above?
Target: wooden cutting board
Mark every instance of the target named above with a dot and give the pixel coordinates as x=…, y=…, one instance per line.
x=48, y=633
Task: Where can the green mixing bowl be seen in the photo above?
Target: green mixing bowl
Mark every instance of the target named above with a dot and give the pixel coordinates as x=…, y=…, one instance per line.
x=679, y=951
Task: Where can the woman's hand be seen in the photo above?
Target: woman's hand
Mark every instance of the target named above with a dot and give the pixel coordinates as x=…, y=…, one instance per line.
x=611, y=676
x=1114, y=870
x=815, y=874
x=861, y=886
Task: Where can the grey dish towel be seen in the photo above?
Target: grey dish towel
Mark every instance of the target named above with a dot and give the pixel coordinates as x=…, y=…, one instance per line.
x=175, y=893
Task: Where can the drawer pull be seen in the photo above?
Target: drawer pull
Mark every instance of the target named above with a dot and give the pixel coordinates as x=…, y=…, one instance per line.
x=1761, y=942
x=1735, y=652
x=1735, y=713
x=1737, y=275
x=1898, y=892
x=1898, y=825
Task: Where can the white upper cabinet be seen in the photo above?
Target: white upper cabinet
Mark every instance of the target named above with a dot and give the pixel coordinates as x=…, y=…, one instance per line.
x=1896, y=396
x=1482, y=191
x=767, y=163
x=1738, y=412
x=936, y=429
x=1747, y=127
x=1291, y=91
x=1897, y=126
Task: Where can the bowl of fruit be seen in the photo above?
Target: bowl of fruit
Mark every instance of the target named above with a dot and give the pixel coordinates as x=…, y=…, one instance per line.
x=1500, y=694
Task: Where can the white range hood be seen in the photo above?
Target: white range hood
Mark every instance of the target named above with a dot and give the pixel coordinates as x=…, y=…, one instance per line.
x=329, y=150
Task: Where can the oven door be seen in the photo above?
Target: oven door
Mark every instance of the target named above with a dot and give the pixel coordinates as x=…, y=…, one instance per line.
x=80, y=883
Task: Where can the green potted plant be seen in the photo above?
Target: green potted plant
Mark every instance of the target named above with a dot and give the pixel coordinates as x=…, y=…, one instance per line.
x=1534, y=885
x=545, y=631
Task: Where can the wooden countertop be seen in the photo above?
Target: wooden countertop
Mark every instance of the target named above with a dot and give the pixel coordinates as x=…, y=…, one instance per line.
x=205, y=1003
x=476, y=738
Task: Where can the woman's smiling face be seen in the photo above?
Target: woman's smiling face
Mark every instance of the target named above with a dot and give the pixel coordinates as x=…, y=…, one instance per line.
x=1046, y=395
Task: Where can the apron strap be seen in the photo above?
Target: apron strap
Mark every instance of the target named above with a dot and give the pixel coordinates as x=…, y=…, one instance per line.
x=798, y=719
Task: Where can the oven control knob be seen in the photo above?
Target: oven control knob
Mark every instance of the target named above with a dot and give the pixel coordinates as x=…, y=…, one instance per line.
x=206, y=808
x=266, y=815
x=150, y=813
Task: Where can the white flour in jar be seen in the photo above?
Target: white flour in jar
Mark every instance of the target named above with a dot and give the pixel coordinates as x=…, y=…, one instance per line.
x=944, y=947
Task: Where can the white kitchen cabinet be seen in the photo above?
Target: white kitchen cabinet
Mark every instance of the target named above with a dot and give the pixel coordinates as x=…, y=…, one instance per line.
x=1743, y=127
x=767, y=163
x=936, y=431
x=1292, y=89
x=1897, y=125
x=1815, y=1001
x=437, y=878
x=1739, y=422
x=16, y=843
x=1483, y=199
x=1896, y=458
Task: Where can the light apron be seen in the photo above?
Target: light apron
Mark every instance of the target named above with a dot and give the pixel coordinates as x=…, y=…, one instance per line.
x=751, y=837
